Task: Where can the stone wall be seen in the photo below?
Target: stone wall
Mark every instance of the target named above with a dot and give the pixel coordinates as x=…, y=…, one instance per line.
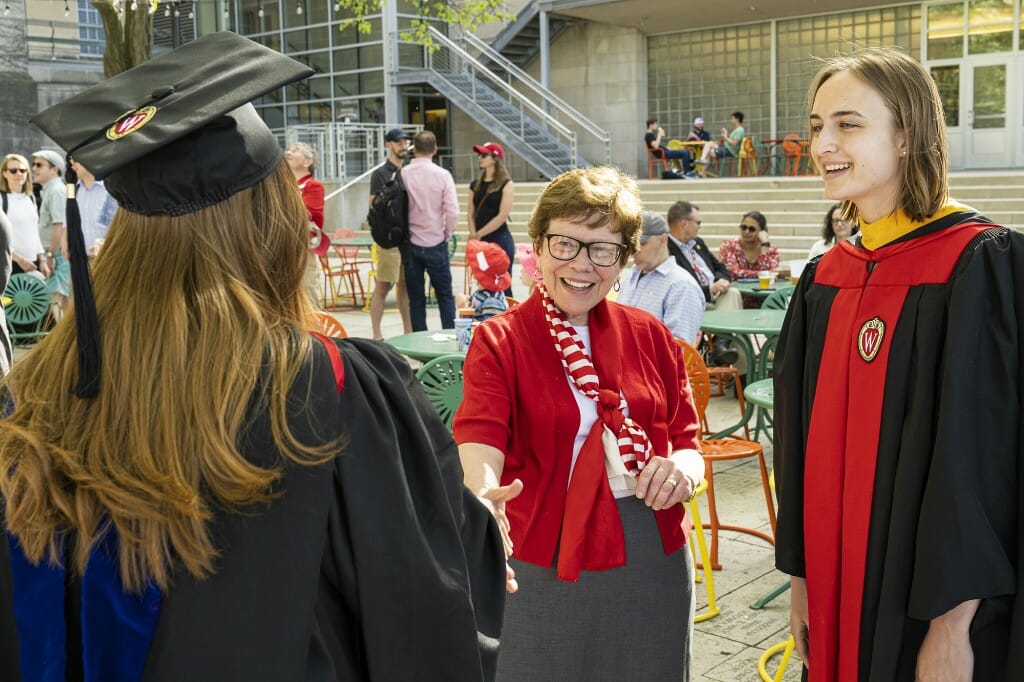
x=601, y=70
x=19, y=101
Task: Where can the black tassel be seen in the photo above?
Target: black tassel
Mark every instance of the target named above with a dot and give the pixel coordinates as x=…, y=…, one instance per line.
x=87, y=324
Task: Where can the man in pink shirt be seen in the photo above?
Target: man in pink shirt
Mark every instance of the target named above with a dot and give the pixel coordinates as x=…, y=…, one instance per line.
x=433, y=215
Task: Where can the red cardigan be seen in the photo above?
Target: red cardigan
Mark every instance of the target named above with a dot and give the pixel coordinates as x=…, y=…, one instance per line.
x=516, y=398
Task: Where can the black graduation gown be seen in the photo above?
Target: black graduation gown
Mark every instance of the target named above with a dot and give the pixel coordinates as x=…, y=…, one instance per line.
x=377, y=566
x=936, y=414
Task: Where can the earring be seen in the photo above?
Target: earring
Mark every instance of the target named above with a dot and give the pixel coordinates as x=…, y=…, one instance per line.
x=615, y=287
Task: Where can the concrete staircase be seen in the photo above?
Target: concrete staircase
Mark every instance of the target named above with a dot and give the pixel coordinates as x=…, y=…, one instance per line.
x=795, y=207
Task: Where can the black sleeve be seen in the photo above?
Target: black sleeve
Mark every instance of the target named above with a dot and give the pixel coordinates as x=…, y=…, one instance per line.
x=5, y=277
x=428, y=556
x=9, y=662
x=718, y=268
x=794, y=393
x=649, y=140
x=377, y=181
x=970, y=519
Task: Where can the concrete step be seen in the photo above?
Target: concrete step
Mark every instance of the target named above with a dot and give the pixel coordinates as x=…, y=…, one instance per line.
x=794, y=207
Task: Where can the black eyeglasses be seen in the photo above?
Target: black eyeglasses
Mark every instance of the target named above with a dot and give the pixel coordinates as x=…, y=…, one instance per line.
x=749, y=228
x=483, y=156
x=17, y=170
x=39, y=164
x=601, y=254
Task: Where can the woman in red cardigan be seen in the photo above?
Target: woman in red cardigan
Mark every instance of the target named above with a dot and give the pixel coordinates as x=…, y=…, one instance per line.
x=578, y=430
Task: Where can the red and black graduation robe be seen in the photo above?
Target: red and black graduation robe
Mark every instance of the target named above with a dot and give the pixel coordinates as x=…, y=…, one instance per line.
x=378, y=565
x=897, y=447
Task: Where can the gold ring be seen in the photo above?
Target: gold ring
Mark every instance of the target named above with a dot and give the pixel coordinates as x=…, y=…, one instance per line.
x=672, y=482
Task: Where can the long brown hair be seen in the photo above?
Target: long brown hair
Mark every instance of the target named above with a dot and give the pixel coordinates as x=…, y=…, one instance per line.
x=501, y=176
x=200, y=318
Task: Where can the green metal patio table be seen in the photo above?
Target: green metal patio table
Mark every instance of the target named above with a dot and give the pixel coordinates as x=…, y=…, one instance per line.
x=752, y=287
x=739, y=326
x=425, y=345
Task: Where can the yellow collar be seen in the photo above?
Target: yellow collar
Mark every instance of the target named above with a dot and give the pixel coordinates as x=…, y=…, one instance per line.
x=889, y=228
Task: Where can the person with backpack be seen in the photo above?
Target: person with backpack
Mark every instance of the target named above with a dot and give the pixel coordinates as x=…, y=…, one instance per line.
x=19, y=205
x=389, y=260
x=433, y=213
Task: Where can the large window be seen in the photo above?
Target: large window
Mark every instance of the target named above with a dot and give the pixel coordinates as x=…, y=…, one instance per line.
x=802, y=42
x=976, y=27
x=710, y=73
x=91, y=37
x=713, y=72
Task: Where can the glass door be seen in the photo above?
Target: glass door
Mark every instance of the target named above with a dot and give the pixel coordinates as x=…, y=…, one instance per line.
x=985, y=94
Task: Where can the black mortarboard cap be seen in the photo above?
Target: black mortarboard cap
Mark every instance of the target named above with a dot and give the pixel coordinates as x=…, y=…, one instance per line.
x=169, y=137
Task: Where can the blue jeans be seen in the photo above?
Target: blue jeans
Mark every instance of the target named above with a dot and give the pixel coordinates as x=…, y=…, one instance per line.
x=434, y=261
x=503, y=238
x=683, y=154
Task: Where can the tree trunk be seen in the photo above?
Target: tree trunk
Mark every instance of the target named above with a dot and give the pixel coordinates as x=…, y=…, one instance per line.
x=129, y=35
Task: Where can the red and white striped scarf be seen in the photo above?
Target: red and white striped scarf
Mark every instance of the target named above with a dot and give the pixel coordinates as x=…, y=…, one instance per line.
x=634, y=446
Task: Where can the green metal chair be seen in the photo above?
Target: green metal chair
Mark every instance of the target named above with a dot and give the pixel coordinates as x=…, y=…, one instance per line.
x=441, y=379
x=29, y=304
x=779, y=299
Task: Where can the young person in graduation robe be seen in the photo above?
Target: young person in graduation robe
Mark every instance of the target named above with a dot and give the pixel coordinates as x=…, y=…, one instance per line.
x=898, y=403
x=196, y=486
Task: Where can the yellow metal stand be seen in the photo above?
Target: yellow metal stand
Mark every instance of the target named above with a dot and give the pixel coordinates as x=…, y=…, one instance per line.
x=786, y=649
x=697, y=537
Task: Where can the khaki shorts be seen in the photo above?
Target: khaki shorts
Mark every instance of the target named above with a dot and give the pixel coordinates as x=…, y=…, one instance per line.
x=389, y=265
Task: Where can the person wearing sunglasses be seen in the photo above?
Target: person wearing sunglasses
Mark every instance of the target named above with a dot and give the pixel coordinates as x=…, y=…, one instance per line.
x=27, y=252
x=578, y=429
x=490, y=201
x=751, y=252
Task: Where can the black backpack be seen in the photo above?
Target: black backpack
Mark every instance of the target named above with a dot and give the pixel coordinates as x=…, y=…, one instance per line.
x=389, y=214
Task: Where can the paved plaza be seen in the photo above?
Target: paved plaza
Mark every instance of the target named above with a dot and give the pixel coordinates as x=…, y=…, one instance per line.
x=727, y=647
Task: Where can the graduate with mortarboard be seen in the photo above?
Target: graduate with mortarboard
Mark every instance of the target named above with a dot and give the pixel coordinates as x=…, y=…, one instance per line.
x=196, y=486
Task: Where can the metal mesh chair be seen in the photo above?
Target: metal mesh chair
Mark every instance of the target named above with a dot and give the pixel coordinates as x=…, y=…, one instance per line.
x=29, y=304
x=441, y=379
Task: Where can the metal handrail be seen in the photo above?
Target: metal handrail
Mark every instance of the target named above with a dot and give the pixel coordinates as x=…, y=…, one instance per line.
x=544, y=93
x=478, y=68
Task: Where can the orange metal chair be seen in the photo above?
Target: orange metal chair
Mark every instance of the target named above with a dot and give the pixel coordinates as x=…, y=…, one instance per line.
x=652, y=163
x=328, y=325
x=721, y=450
x=719, y=376
x=749, y=162
x=342, y=276
x=796, y=155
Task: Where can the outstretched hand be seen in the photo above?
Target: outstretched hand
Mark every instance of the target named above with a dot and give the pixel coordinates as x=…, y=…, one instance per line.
x=495, y=499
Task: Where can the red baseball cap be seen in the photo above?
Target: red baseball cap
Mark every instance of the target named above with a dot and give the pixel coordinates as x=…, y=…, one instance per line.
x=492, y=148
x=489, y=264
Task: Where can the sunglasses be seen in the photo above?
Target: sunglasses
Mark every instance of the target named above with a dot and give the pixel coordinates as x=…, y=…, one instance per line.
x=749, y=228
x=16, y=170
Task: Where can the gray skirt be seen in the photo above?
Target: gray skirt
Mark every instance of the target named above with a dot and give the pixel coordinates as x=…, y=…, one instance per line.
x=628, y=623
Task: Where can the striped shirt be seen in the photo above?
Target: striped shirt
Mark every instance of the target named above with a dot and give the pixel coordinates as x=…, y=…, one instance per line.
x=670, y=294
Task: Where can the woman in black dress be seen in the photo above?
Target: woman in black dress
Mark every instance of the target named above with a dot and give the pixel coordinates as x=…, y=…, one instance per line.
x=491, y=201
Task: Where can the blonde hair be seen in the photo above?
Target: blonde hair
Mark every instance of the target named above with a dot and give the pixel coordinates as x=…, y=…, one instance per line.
x=913, y=100
x=201, y=322
x=596, y=197
x=25, y=188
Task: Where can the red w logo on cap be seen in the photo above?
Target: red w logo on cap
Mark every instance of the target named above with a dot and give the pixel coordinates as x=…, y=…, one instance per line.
x=130, y=122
